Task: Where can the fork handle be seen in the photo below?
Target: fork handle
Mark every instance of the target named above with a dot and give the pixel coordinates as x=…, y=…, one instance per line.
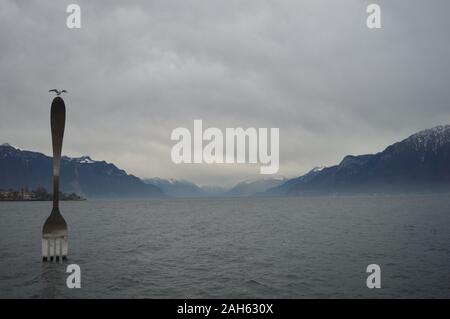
x=57, y=123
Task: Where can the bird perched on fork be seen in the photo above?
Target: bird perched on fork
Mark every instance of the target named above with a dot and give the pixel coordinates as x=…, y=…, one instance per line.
x=58, y=92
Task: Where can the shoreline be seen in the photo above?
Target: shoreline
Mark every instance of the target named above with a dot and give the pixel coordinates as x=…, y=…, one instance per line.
x=41, y=200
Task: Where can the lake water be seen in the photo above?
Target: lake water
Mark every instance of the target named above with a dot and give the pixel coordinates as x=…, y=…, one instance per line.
x=233, y=248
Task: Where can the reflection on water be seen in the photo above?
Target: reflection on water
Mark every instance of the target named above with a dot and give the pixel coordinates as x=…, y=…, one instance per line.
x=53, y=273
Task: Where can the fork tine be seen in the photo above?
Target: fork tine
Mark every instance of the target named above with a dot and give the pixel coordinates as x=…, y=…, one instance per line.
x=57, y=248
x=44, y=249
x=52, y=248
x=64, y=248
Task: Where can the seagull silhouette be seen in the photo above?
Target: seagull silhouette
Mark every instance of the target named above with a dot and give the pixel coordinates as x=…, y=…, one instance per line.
x=58, y=92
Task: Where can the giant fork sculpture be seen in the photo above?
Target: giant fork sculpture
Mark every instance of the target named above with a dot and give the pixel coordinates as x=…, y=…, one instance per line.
x=54, y=232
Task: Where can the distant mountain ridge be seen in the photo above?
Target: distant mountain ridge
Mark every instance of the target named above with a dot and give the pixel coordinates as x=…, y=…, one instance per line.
x=283, y=188
x=249, y=188
x=99, y=179
x=176, y=188
x=418, y=164
x=183, y=188
x=82, y=175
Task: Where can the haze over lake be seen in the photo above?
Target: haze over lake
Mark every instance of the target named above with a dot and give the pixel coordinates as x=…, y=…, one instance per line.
x=233, y=247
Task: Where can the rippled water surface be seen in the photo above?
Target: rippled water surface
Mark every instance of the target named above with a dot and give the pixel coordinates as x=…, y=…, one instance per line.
x=233, y=248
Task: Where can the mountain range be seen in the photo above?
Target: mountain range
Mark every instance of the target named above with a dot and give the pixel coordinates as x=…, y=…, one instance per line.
x=81, y=175
x=183, y=188
x=99, y=179
x=250, y=188
x=417, y=164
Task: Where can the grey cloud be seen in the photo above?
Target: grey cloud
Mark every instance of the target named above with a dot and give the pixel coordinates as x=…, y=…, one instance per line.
x=136, y=70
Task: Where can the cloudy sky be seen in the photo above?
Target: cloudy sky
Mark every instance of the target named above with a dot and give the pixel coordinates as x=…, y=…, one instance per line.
x=137, y=70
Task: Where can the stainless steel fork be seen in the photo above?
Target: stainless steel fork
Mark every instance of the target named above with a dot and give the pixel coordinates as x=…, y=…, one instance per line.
x=54, y=233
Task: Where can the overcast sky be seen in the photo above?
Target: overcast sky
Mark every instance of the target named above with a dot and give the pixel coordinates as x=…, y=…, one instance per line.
x=137, y=70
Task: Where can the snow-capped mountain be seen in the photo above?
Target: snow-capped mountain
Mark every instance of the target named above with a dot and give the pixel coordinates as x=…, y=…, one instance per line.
x=81, y=175
x=80, y=160
x=418, y=164
x=431, y=140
